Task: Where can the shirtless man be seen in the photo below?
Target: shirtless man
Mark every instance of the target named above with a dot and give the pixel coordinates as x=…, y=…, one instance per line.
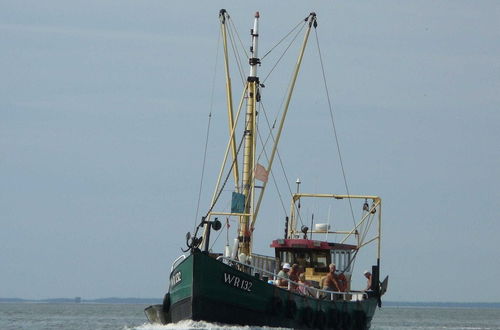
x=332, y=282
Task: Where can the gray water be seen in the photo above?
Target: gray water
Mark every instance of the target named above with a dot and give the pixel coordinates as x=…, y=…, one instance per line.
x=131, y=317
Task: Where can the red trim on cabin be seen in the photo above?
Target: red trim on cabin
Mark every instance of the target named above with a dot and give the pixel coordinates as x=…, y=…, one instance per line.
x=309, y=244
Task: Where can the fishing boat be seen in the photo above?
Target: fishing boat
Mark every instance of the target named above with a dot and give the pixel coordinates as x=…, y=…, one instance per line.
x=240, y=287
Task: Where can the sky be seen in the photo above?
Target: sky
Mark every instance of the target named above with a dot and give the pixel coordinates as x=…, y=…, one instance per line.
x=104, y=111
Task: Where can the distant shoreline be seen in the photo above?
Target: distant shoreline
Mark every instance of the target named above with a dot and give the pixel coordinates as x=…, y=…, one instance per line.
x=440, y=304
x=153, y=301
x=78, y=300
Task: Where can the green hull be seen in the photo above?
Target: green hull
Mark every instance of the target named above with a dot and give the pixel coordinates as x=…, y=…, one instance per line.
x=203, y=288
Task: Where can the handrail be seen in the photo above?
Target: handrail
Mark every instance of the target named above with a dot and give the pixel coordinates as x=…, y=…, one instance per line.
x=318, y=292
x=176, y=260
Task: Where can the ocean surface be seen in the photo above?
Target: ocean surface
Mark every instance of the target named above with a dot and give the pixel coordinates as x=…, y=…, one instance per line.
x=131, y=317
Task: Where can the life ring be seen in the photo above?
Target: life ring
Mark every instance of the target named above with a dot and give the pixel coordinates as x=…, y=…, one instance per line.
x=320, y=320
x=307, y=316
x=291, y=309
x=166, y=303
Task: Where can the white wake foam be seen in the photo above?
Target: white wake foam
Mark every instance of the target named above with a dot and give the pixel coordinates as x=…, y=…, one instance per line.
x=189, y=324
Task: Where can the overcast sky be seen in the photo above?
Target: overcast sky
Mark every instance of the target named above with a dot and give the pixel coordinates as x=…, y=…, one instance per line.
x=104, y=107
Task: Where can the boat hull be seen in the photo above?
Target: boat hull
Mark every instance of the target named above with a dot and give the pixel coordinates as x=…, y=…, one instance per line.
x=203, y=288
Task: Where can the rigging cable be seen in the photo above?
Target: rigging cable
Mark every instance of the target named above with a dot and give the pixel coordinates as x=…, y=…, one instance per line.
x=215, y=240
x=285, y=51
x=334, y=128
x=208, y=133
x=218, y=194
x=239, y=39
x=203, y=169
x=237, y=56
x=272, y=173
x=363, y=237
x=227, y=177
x=367, y=227
x=279, y=158
x=282, y=39
x=283, y=100
x=223, y=185
x=238, y=60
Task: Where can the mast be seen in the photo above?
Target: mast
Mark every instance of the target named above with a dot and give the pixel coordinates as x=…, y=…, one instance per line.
x=249, y=143
x=223, y=16
x=311, y=21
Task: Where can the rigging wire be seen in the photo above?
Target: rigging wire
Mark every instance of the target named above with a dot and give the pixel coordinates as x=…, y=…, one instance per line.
x=236, y=53
x=227, y=176
x=215, y=240
x=203, y=169
x=239, y=39
x=367, y=227
x=333, y=125
x=286, y=36
x=224, y=184
x=279, y=157
x=363, y=237
x=272, y=174
x=288, y=87
x=285, y=51
x=239, y=146
x=208, y=132
x=231, y=31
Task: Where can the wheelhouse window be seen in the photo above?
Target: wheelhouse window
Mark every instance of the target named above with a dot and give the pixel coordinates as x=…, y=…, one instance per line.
x=317, y=259
x=342, y=259
x=320, y=261
x=303, y=259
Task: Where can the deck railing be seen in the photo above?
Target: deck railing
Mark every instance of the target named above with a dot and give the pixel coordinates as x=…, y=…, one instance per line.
x=264, y=262
x=176, y=261
x=312, y=291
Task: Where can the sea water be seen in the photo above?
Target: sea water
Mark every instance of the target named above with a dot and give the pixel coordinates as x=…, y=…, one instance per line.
x=131, y=317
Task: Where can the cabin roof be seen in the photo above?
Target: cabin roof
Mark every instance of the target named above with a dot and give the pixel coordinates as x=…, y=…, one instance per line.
x=308, y=244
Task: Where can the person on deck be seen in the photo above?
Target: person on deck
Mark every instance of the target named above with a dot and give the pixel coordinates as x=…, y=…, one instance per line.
x=303, y=288
x=342, y=281
x=332, y=282
x=294, y=276
x=283, y=275
x=368, y=276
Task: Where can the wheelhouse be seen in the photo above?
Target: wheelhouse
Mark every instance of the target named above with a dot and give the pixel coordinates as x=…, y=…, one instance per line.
x=314, y=257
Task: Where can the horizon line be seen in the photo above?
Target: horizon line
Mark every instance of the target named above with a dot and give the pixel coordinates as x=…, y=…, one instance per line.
x=389, y=302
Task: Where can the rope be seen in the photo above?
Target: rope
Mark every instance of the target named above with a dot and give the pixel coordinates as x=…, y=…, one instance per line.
x=227, y=177
x=237, y=55
x=231, y=31
x=279, y=158
x=215, y=240
x=208, y=133
x=272, y=173
x=282, y=39
x=223, y=185
x=333, y=125
x=284, y=52
x=367, y=227
x=239, y=39
x=203, y=170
